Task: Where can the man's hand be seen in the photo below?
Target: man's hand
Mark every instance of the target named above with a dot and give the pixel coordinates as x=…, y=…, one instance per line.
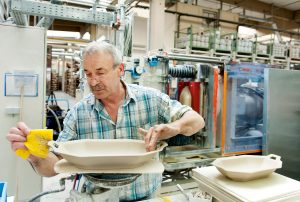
x=17, y=136
x=156, y=133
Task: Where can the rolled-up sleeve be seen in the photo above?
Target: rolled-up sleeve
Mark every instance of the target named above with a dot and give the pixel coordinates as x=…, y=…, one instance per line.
x=170, y=110
x=69, y=131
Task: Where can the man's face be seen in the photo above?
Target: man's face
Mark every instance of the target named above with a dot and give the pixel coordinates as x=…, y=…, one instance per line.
x=102, y=77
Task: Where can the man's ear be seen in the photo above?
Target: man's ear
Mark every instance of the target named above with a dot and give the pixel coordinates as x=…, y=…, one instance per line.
x=122, y=69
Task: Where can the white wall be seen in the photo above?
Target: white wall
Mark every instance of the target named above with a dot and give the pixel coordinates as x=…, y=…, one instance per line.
x=21, y=49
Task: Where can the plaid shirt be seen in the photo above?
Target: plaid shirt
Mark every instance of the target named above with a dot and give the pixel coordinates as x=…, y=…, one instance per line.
x=142, y=108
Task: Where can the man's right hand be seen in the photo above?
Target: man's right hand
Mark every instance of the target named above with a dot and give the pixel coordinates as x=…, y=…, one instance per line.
x=17, y=136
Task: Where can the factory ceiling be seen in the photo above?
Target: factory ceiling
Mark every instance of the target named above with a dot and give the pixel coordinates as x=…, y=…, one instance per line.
x=286, y=14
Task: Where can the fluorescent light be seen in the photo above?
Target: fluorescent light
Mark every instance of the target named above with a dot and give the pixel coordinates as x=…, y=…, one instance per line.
x=52, y=33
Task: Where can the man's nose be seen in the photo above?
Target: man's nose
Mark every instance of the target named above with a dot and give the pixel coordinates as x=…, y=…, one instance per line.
x=93, y=81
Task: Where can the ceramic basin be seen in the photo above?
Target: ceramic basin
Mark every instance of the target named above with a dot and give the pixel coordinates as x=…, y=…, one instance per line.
x=105, y=154
x=248, y=167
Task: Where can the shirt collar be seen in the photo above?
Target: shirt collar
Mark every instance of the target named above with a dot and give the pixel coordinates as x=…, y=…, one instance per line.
x=129, y=94
x=94, y=102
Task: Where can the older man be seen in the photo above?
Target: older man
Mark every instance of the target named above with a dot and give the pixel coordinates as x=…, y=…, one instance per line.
x=116, y=110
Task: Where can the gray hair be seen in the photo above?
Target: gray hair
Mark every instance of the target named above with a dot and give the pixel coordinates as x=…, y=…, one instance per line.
x=102, y=46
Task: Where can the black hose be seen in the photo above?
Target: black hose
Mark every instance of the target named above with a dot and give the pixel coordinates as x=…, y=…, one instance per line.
x=183, y=71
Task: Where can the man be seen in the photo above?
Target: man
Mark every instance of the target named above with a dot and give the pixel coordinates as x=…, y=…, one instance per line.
x=116, y=110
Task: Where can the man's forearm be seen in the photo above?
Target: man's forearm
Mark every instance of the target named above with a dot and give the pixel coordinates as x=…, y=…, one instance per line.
x=190, y=123
x=44, y=167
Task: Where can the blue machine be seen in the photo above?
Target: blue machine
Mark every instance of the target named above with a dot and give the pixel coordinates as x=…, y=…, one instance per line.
x=242, y=130
x=3, y=190
x=137, y=70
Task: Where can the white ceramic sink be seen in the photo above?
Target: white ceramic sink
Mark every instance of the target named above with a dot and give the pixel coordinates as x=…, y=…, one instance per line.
x=247, y=167
x=105, y=154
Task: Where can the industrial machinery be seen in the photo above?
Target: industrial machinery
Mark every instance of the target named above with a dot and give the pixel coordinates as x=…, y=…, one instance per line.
x=192, y=80
x=281, y=119
x=242, y=115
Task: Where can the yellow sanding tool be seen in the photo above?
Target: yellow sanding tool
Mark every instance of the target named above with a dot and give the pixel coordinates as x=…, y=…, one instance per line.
x=37, y=143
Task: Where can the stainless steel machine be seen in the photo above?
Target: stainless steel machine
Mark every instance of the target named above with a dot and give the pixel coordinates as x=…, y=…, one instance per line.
x=281, y=118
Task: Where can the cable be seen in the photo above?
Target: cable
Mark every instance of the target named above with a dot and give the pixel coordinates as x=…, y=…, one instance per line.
x=46, y=192
x=62, y=183
x=56, y=118
x=79, y=178
x=75, y=179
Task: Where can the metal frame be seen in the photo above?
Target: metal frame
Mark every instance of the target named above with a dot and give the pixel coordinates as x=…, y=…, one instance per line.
x=3, y=11
x=45, y=22
x=181, y=157
x=45, y=9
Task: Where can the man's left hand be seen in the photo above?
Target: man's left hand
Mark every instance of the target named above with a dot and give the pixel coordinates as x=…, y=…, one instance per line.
x=156, y=133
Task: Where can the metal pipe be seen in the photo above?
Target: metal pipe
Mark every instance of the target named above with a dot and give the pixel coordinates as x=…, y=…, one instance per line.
x=189, y=55
x=195, y=59
x=199, y=58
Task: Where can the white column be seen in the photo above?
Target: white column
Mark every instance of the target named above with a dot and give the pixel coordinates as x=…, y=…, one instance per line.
x=156, y=24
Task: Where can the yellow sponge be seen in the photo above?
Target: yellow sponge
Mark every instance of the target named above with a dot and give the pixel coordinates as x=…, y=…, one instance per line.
x=167, y=199
x=36, y=143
